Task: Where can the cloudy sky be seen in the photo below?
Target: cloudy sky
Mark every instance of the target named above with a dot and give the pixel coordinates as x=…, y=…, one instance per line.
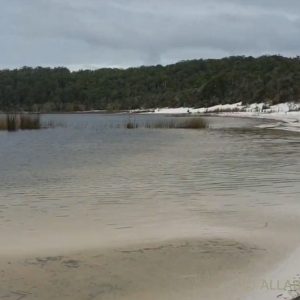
x=122, y=33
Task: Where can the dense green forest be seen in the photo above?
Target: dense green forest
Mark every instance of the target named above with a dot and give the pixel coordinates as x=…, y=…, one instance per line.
x=194, y=83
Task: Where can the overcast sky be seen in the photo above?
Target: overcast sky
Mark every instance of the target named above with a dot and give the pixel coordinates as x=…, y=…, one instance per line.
x=122, y=33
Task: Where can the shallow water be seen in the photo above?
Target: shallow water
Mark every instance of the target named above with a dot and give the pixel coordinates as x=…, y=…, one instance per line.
x=91, y=178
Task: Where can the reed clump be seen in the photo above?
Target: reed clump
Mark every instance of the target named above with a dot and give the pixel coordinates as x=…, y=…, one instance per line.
x=3, y=124
x=179, y=123
x=131, y=125
x=14, y=122
x=30, y=121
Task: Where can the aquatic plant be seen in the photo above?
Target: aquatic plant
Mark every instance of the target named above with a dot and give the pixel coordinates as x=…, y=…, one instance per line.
x=192, y=123
x=11, y=122
x=30, y=121
x=14, y=122
x=179, y=123
x=131, y=125
x=3, y=123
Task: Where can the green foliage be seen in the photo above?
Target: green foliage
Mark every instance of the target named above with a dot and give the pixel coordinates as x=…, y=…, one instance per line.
x=193, y=83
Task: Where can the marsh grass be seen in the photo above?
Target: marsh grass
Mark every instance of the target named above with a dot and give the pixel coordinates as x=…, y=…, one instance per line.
x=131, y=123
x=30, y=121
x=14, y=122
x=169, y=123
x=3, y=123
x=11, y=122
x=179, y=123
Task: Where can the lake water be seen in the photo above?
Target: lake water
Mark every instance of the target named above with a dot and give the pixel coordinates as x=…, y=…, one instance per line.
x=92, y=180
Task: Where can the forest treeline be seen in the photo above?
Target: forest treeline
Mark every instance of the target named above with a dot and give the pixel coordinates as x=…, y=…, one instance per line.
x=195, y=83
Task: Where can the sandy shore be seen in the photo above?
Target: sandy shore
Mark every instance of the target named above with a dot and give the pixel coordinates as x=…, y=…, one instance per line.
x=176, y=269
x=283, y=282
x=284, y=121
x=286, y=116
x=224, y=263
x=181, y=269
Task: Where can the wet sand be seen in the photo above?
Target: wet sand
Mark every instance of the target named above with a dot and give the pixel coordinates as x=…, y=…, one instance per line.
x=228, y=264
x=182, y=269
x=179, y=256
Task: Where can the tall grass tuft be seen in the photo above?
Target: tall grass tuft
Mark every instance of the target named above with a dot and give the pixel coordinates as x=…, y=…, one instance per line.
x=3, y=123
x=14, y=122
x=30, y=121
x=179, y=123
x=11, y=122
x=131, y=123
x=193, y=123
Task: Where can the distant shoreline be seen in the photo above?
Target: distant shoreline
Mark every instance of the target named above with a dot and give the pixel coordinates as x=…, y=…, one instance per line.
x=286, y=115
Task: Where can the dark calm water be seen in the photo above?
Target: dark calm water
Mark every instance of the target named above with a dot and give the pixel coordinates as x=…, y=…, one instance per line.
x=92, y=172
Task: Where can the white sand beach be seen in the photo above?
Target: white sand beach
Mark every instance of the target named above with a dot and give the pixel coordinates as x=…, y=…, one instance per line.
x=287, y=114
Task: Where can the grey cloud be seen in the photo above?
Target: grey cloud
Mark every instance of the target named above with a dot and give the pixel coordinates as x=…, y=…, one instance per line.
x=91, y=33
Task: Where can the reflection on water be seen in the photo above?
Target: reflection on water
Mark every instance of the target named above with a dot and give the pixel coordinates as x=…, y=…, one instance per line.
x=90, y=173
